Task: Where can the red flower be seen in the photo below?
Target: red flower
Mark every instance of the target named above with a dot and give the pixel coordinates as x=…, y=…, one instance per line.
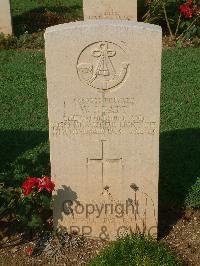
x=45, y=183
x=40, y=183
x=187, y=9
x=29, y=251
x=29, y=184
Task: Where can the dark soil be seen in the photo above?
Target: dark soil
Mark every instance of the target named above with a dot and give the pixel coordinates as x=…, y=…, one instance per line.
x=61, y=249
x=184, y=238
x=182, y=43
x=74, y=250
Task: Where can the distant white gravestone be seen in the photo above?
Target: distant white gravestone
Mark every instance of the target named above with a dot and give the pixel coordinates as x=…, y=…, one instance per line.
x=104, y=111
x=110, y=9
x=5, y=17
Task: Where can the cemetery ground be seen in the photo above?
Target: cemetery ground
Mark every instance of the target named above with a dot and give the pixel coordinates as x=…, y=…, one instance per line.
x=25, y=152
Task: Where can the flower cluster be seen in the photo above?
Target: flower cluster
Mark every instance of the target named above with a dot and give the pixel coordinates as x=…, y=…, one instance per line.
x=188, y=10
x=29, y=251
x=40, y=184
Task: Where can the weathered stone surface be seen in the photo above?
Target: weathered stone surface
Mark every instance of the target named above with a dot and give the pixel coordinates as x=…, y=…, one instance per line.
x=104, y=111
x=110, y=9
x=5, y=17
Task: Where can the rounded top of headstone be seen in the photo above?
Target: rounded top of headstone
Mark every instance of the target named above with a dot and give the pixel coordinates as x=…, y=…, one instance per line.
x=99, y=23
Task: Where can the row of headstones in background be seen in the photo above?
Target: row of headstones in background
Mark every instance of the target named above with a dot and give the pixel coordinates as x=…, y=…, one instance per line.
x=5, y=17
x=93, y=9
x=110, y=9
x=104, y=111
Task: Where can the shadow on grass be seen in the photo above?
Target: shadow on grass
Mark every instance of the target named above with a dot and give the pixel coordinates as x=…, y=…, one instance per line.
x=179, y=169
x=42, y=17
x=23, y=153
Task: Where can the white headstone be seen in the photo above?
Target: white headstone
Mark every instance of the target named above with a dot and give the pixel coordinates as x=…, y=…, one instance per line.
x=104, y=111
x=110, y=9
x=5, y=17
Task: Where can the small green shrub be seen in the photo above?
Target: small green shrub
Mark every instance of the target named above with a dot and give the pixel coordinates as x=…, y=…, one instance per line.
x=135, y=250
x=31, y=41
x=193, y=198
x=25, y=41
x=8, y=42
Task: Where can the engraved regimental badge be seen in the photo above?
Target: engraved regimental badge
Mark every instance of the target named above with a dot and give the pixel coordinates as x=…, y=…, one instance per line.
x=102, y=65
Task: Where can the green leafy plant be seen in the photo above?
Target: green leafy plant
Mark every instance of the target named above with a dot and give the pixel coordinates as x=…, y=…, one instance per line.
x=8, y=42
x=9, y=198
x=25, y=41
x=135, y=250
x=29, y=205
x=193, y=198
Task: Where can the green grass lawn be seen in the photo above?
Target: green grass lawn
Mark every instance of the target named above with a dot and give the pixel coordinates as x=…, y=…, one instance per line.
x=32, y=16
x=24, y=148
x=180, y=124
x=24, y=125
x=19, y=7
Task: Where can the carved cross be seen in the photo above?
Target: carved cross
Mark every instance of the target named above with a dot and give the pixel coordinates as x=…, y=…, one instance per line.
x=104, y=160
